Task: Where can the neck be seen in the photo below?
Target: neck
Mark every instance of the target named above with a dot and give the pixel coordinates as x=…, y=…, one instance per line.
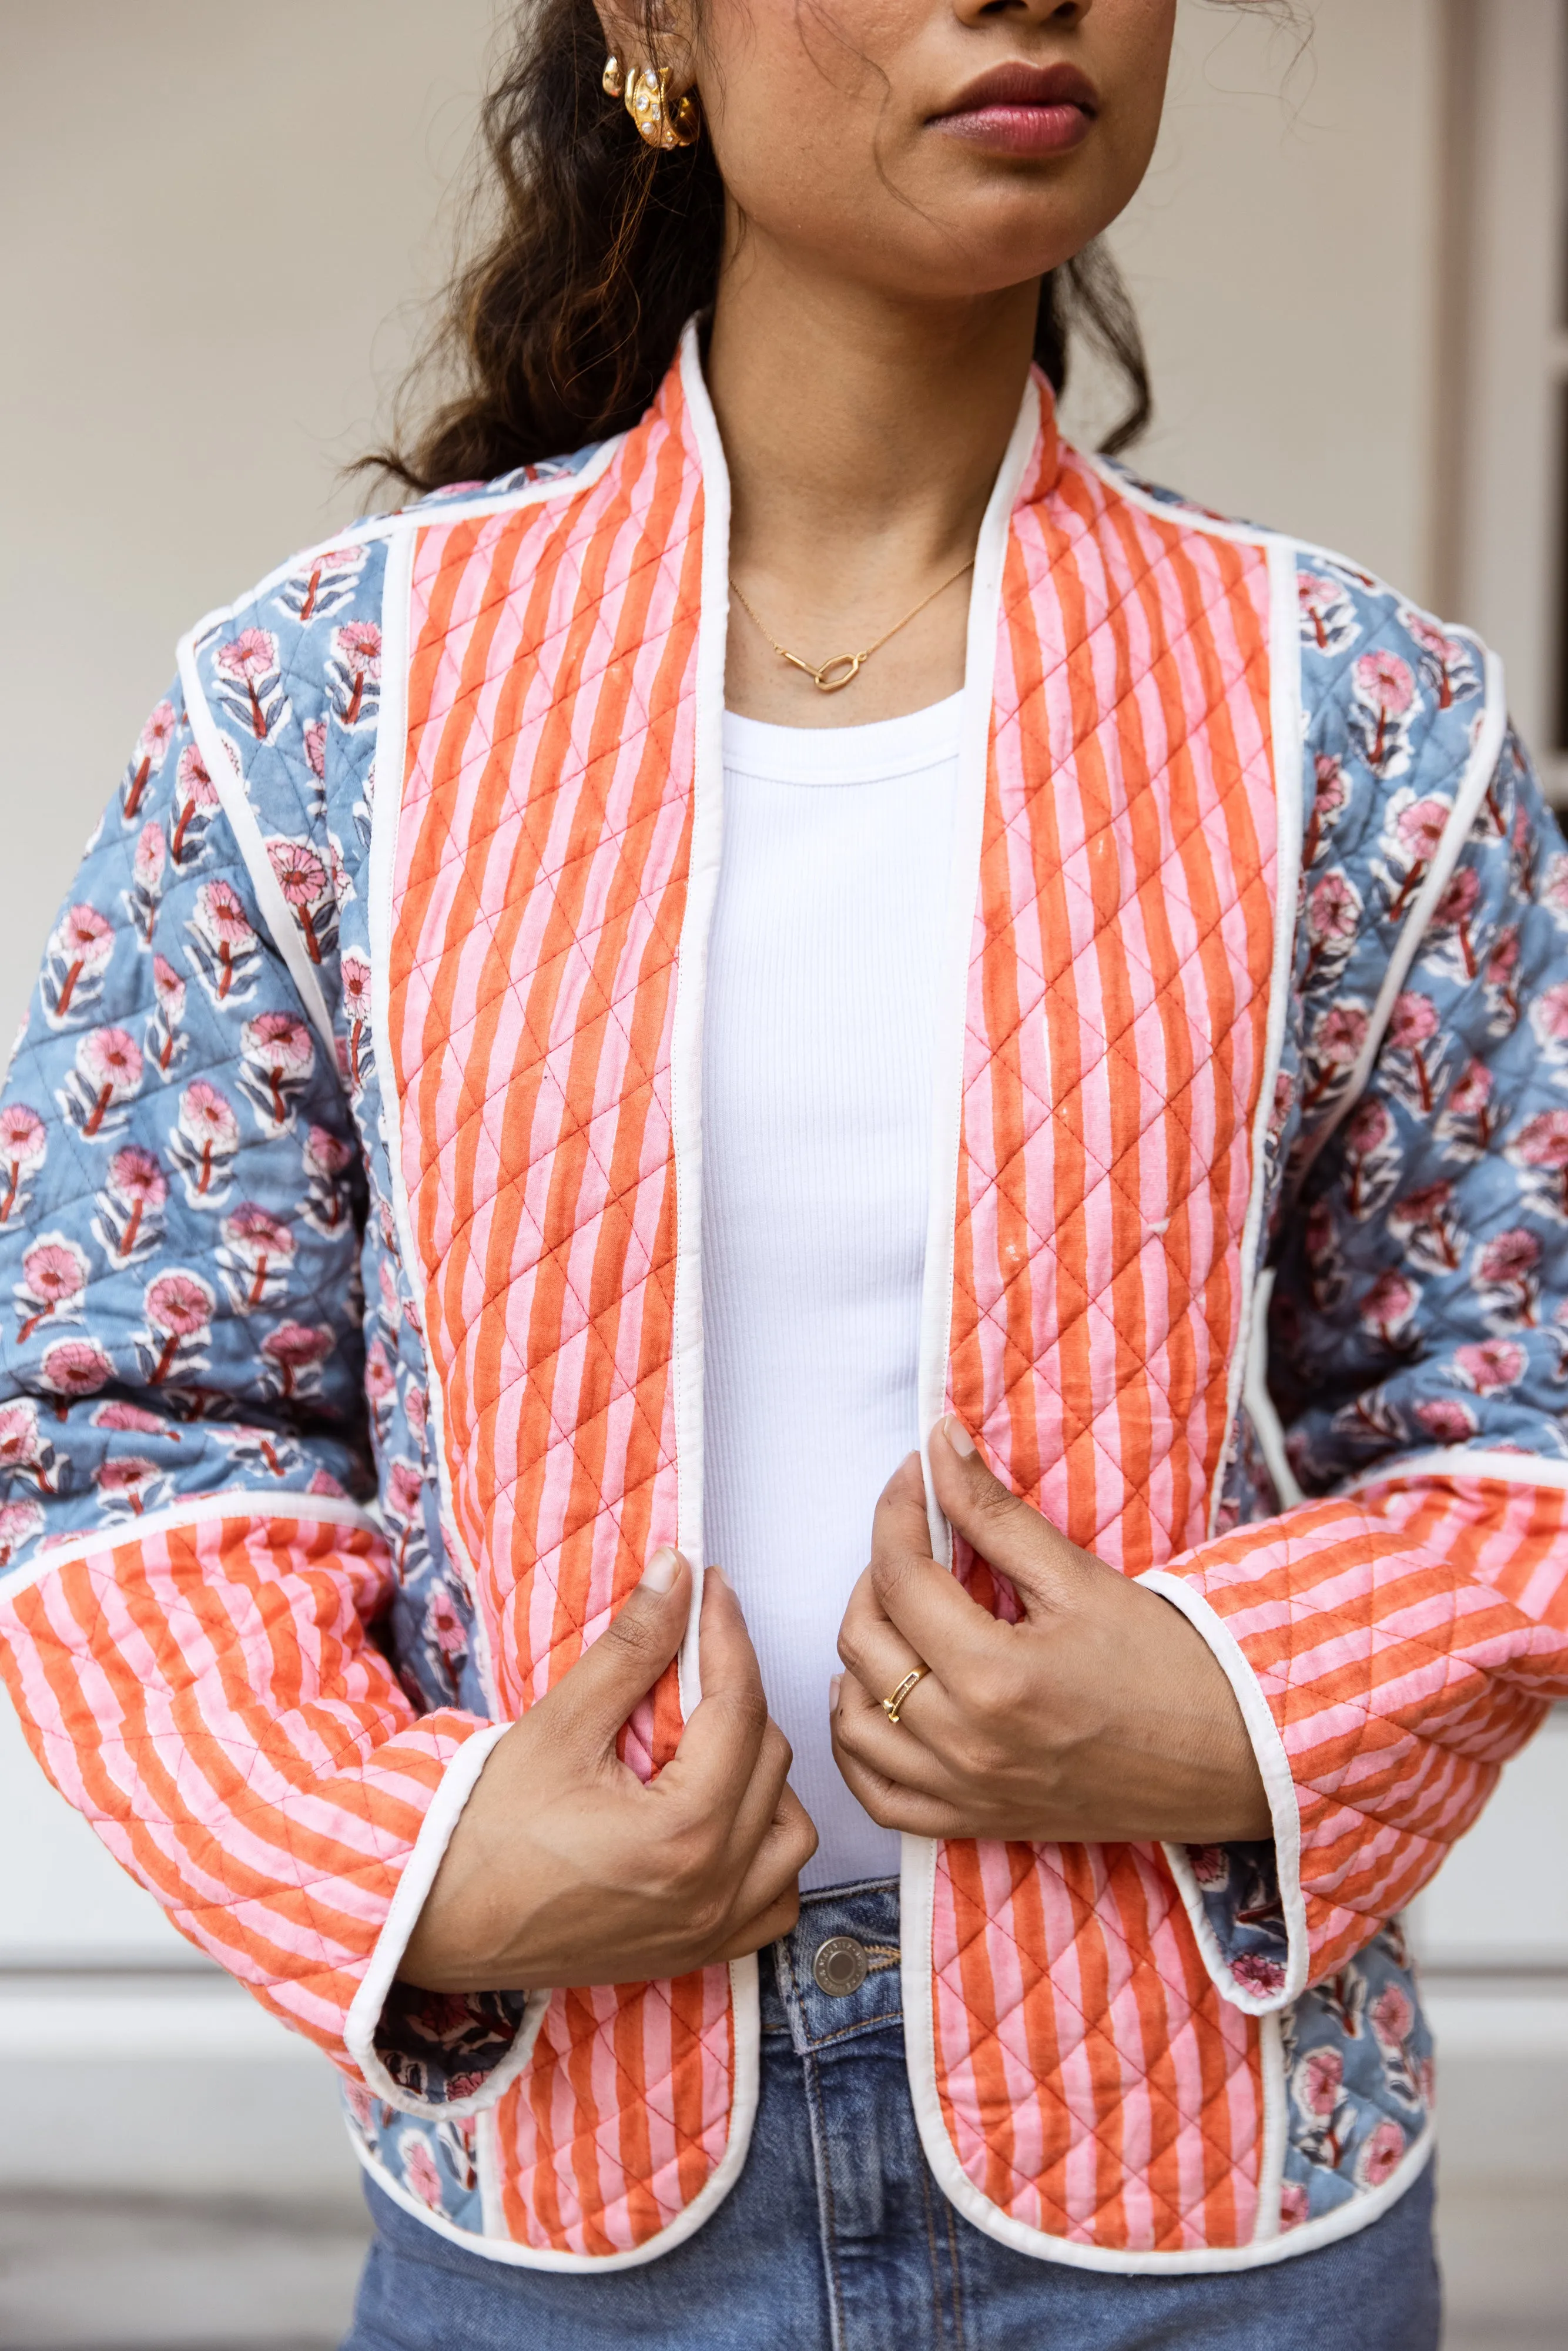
x=862, y=432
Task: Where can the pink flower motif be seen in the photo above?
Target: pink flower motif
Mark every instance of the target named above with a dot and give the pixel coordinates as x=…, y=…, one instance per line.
x=169, y=988
x=1384, y=682
x=420, y=2172
x=1392, y=2017
x=297, y=1347
x=380, y=1377
x=279, y=1041
x=356, y=988
x=149, y=861
x=316, y=749
x=152, y=743
x=1414, y=1019
x=1332, y=789
x=1295, y=2207
x=1256, y=1973
x=223, y=917
x=207, y=1118
x=1210, y=1866
x=280, y=1048
x=1458, y=902
x=1446, y=1420
x=75, y=1367
x=416, y=1404
x=1543, y=1142
x=1319, y=2080
x=134, y=1420
x=248, y=659
x=1511, y=1257
x=194, y=782
x=323, y=1482
x=19, y=1444
x=255, y=1232
x=1381, y=2154
x=1471, y=1091
x=1420, y=830
x=136, y=1177
x=19, y=1522
x=405, y=1489
x=444, y=1625
x=83, y=941
x=1368, y=1127
x=53, y=1279
x=1333, y=910
x=326, y=1155
x=1503, y=962
x=179, y=1305
x=1340, y=1035
x=1491, y=1365
x=23, y=1138
x=109, y=1062
x=302, y=878
x=1548, y=1014
x=356, y=647
x=126, y=1479
x=1389, y=1304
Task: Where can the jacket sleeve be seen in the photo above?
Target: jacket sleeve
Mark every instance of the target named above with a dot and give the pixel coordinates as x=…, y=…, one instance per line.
x=192, y=1571
x=1399, y=1632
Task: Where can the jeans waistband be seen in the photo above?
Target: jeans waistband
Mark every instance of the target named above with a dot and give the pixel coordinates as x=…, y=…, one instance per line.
x=835, y=1975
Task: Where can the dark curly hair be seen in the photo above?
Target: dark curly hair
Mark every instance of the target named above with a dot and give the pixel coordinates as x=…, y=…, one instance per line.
x=560, y=331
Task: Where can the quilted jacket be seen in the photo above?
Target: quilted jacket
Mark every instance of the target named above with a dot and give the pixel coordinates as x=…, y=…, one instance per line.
x=350, y=1157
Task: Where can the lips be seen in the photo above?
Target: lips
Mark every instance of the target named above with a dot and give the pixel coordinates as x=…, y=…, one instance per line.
x=1019, y=108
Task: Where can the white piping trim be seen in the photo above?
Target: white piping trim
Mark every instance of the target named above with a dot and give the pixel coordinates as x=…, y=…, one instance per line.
x=1276, y=2123
x=506, y=2250
x=691, y=995
x=1456, y=1461
x=386, y=814
x=1279, y=1785
x=1285, y=743
x=236, y=1502
x=446, y=1806
x=1485, y=752
x=1261, y=1409
x=225, y=767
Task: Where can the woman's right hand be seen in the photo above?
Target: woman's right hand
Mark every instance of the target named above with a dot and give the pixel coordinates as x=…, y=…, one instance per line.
x=565, y=1868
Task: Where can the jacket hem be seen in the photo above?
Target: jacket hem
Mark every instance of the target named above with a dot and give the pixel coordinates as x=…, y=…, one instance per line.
x=746, y=2013
x=239, y=1502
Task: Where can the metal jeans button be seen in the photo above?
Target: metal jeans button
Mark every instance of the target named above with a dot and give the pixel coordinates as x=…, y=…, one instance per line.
x=841, y=1966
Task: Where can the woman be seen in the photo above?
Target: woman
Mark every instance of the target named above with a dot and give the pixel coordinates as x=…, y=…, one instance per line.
x=614, y=1007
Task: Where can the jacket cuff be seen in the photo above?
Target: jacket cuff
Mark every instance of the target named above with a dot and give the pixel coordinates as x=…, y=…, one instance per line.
x=443, y=2055
x=1245, y=1901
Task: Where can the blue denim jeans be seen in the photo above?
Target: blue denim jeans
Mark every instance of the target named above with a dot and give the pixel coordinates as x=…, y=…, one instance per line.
x=836, y=2238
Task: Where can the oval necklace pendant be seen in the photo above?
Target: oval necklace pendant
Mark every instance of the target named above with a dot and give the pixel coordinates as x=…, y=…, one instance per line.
x=835, y=674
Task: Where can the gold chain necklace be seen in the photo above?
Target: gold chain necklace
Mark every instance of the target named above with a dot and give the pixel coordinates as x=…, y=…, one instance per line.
x=833, y=676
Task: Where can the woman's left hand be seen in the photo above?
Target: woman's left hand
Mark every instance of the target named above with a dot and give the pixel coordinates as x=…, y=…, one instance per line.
x=1101, y=1718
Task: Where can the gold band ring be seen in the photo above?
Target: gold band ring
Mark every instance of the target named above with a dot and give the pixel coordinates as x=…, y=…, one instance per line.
x=890, y=1706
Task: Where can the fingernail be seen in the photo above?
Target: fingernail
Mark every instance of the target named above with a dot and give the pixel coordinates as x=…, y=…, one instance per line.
x=834, y=1686
x=662, y=1569
x=714, y=1570
x=959, y=1436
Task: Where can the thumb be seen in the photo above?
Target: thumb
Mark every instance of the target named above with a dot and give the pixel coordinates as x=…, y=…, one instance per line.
x=602, y=1690
x=1036, y=1558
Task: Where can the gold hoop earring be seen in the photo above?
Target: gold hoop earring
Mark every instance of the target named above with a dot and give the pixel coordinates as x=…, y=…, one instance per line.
x=612, y=81
x=662, y=122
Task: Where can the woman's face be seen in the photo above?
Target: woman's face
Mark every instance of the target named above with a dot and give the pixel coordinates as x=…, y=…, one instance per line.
x=930, y=148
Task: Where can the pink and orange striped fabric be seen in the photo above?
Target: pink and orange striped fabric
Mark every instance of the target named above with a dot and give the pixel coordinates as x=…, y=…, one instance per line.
x=1093, y=2082
x=207, y=1698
